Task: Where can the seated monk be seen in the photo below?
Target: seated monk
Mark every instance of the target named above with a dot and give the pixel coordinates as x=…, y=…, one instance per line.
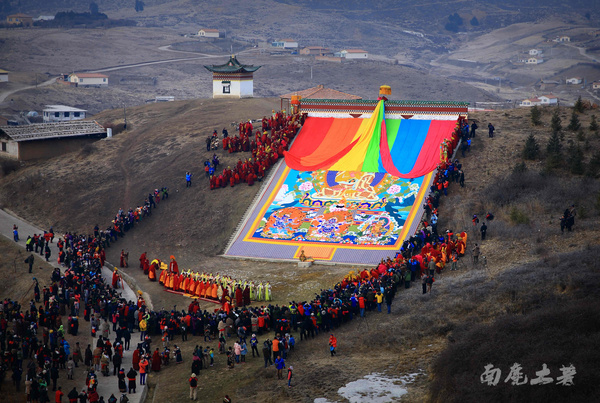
x=304, y=258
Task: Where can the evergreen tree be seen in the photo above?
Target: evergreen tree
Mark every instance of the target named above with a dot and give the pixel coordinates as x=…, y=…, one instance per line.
x=531, y=149
x=574, y=124
x=139, y=5
x=94, y=8
x=593, y=168
x=578, y=107
x=535, y=116
x=593, y=124
x=575, y=160
x=474, y=21
x=556, y=123
x=553, y=149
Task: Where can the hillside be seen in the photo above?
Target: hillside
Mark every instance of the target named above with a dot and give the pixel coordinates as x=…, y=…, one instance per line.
x=533, y=271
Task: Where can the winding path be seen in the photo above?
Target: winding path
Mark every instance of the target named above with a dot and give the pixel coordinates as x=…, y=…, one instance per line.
x=166, y=48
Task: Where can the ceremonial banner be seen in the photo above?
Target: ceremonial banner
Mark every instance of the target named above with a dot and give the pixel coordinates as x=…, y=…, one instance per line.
x=350, y=190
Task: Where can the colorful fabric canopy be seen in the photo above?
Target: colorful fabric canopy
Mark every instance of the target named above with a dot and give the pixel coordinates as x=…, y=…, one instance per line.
x=401, y=147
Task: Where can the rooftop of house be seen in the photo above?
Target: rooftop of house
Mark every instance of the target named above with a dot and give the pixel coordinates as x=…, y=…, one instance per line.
x=62, y=108
x=232, y=66
x=320, y=92
x=90, y=75
x=44, y=131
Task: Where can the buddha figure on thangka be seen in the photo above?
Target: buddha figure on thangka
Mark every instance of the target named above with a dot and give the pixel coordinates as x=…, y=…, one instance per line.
x=356, y=208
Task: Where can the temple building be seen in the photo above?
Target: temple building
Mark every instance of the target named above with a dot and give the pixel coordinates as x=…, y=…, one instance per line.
x=233, y=79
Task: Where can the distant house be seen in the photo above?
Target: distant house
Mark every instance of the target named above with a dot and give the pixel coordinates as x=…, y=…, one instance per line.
x=548, y=99
x=20, y=19
x=530, y=102
x=534, y=60
x=209, y=33
x=46, y=140
x=315, y=51
x=596, y=85
x=574, y=80
x=44, y=18
x=285, y=44
x=535, y=52
x=3, y=76
x=62, y=113
x=89, y=79
x=541, y=101
x=354, y=54
x=562, y=39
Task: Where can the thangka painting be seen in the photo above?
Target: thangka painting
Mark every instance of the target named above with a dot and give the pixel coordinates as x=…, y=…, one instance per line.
x=337, y=207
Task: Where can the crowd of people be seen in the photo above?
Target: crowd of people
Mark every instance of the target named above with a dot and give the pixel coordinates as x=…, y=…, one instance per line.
x=38, y=334
x=267, y=145
x=218, y=288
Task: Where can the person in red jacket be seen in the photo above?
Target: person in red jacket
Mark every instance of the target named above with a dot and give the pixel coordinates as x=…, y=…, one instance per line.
x=58, y=395
x=332, y=344
x=361, y=305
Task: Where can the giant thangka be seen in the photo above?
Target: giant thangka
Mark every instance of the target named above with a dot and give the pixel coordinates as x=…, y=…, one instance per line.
x=352, y=185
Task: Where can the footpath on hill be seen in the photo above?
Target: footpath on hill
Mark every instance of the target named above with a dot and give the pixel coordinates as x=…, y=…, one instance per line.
x=106, y=385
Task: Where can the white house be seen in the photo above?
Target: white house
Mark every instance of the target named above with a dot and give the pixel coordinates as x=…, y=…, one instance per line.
x=535, y=52
x=209, y=33
x=541, y=101
x=3, y=76
x=62, y=113
x=530, y=102
x=89, y=79
x=44, y=18
x=548, y=99
x=574, y=80
x=564, y=39
x=534, y=60
x=596, y=85
x=354, y=54
x=285, y=44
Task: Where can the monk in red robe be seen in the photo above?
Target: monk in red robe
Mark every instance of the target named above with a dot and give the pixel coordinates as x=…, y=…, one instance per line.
x=156, y=361
x=135, y=360
x=115, y=278
x=173, y=266
x=239, y=297
x=152, y=272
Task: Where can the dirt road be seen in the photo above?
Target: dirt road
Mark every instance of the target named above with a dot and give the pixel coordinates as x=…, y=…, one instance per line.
x=6, y=94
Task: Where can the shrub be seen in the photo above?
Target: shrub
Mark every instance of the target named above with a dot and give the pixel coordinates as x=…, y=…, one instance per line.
x=8, y=165
x=87, y=149
x=518, y=217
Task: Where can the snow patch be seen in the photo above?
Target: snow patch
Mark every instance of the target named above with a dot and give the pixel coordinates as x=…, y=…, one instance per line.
x=374, y=388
